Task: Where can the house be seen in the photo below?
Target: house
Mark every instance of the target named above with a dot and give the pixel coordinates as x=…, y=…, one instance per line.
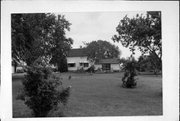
x=17, y=67
x=77, y=59
x=110, y=64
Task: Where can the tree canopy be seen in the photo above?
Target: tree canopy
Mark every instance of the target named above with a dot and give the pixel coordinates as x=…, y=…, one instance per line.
x=101, y=49
x=143, y=32
x=39, y=35
x=148, y=63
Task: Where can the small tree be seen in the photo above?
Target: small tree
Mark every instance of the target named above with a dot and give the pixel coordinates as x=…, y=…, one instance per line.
x=91, y=69
x=128, y=79
x=42, y=91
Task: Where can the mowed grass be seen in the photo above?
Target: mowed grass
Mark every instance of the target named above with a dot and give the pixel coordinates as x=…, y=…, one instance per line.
x=102, y=95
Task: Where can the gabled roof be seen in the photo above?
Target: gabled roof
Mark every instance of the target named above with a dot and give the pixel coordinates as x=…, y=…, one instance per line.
x=77, y=53
x=80, y=52
x=109, y=60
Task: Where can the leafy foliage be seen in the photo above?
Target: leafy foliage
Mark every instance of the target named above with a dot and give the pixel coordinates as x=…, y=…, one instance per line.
x=128, y=79
x=62, y=64
x=39, y=35
x=143, y=32
x=101, y=49
x=61, y=44
x=147, y=63
x=81, y=70
x=38, y=39
x=42, y=91
x=91, y=69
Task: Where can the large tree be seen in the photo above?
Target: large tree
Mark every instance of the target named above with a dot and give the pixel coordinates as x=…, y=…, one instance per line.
x=143, y=32
x=38, y=35
x=61, y=44
x=101, y=49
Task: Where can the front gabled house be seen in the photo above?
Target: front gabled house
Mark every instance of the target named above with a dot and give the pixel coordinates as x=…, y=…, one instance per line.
x=76, y=59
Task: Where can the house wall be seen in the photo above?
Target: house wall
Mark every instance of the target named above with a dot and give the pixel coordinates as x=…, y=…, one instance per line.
x=77, y=61
x=13, y=69
x=98, y=66
x=115, y=67
x=18, y=68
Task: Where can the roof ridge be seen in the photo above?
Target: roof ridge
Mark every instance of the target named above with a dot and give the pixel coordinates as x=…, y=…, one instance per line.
x=77, y=52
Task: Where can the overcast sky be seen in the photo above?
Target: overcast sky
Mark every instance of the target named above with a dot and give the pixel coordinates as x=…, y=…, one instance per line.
x=89, y=26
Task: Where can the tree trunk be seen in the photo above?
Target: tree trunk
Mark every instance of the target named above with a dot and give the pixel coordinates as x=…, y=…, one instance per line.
x=15, y=67
x=156, y=61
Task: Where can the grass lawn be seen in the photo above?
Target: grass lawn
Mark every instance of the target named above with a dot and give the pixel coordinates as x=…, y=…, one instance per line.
x=102, y=95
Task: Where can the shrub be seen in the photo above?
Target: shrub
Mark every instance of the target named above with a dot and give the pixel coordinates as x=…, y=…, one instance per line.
x=99, y=69
x=80, y=70
x=128, y=79
x=42, y=91
x=91, y=69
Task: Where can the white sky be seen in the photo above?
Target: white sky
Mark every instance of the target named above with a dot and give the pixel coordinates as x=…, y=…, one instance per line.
x=89, y=26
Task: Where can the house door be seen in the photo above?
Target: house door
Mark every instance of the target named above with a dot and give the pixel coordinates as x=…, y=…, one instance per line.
x=106, y=66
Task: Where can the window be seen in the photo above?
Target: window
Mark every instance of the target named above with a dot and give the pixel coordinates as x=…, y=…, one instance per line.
x=84, y=64
x=71, y=64
x=106, y=66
